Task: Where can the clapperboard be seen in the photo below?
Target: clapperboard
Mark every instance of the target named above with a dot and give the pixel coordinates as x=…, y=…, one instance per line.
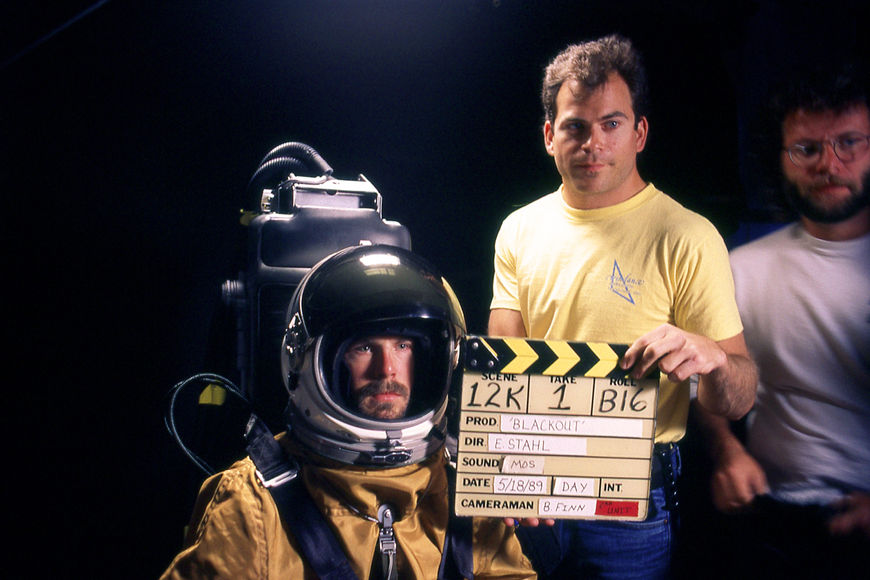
x=553, y=429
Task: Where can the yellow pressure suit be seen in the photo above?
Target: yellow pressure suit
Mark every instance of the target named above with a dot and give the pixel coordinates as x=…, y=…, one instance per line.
x=236, y=531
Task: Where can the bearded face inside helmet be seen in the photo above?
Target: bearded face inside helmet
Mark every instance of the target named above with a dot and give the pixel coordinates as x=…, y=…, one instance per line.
x=370, y=354
x=381, y=374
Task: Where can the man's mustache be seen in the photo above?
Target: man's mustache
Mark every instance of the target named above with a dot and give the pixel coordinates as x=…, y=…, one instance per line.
x=830, y=180
x=382, y=388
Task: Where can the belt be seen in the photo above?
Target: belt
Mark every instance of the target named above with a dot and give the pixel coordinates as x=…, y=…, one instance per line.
x=663, y=474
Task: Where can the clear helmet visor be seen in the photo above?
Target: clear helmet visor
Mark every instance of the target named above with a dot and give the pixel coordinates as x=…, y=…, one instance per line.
x=387, y=371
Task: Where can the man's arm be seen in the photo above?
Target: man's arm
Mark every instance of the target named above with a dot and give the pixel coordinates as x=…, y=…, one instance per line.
x=506, y=322
x=728, y=377
x=738, y=479
x=737, y=476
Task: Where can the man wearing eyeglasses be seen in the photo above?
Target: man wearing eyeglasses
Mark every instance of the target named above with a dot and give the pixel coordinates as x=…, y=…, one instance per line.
x=802, y=481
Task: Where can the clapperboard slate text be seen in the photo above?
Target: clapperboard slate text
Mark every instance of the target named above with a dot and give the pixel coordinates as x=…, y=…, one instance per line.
x=553, y=429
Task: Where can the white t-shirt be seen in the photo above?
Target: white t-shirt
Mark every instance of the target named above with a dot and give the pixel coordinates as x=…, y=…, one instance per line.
x=805, y=306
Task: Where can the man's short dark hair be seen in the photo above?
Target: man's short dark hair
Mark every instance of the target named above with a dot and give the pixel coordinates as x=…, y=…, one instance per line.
x=813, y=88
x=590, y=63
x=828, y=88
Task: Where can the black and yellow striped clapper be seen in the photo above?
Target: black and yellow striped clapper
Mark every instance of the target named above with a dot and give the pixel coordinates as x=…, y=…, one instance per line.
x=543, y=357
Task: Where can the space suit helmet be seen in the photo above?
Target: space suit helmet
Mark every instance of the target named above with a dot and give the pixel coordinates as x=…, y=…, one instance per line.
x=346, y=307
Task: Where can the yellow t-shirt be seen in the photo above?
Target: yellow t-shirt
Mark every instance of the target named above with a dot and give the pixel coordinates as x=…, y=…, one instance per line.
x=613, y=274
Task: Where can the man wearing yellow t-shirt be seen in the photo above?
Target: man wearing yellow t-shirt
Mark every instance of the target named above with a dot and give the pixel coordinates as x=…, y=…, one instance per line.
x=610, y=258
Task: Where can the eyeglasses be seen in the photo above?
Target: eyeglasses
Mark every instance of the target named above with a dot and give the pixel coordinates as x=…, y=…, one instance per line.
x=847, y=147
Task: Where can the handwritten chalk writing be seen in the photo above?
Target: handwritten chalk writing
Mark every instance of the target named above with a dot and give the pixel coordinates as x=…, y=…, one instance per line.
x=611, y=401
x=561, y=397
x=572, y=425
x=519, y=485
x=496, y=399
x=560, y=405
x=574, y=486
x=537, y=445
x=566, y=507
x=616, y=508
x=542, y=424
x=522, y=464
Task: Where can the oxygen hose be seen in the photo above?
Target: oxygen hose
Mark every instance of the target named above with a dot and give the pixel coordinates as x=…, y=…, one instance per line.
x=290, y=157
x=299, y=150
x=279, y=167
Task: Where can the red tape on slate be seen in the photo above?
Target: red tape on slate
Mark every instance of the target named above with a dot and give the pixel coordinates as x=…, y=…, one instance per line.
x=616, y=508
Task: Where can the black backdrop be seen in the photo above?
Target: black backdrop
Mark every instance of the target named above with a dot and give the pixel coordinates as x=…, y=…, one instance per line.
x=129, y=137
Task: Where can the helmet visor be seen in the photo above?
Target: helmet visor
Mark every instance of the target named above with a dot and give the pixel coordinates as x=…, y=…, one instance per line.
x=388, y=370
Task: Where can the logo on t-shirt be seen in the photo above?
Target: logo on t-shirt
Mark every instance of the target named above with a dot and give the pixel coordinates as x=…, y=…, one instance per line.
x=622, y=285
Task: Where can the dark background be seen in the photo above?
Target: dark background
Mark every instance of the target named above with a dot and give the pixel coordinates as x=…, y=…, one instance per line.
x=129, y=137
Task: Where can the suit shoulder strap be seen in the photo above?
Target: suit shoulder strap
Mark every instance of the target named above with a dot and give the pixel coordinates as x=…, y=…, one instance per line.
x=280, y=475
x=457, y=559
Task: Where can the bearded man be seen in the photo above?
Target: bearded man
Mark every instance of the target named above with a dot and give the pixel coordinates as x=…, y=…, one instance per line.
x=801, y=478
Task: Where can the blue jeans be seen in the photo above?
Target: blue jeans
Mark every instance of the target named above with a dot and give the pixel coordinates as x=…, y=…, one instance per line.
x=606, y=549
